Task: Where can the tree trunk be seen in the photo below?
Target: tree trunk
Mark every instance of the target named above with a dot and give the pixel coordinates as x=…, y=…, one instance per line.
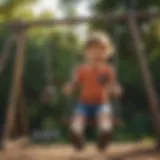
x=5, y=52
x=146, y=76
x=15, y=86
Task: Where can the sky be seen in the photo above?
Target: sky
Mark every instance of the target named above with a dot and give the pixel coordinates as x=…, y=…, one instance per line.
x=52, y=5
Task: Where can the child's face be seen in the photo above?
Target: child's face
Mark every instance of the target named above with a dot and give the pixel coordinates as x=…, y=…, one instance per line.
x=95, y=53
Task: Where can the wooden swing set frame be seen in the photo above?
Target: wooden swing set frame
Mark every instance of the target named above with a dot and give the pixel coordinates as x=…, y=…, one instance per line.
x=19, y=28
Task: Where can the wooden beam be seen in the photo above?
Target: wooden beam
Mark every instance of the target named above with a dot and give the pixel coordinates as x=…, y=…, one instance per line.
x=15, y=86
x=111, y=18
x=145, y=74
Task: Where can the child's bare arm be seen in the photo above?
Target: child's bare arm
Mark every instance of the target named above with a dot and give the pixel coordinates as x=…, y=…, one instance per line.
x=117, y=90
x=113, y=87
x=70, y=87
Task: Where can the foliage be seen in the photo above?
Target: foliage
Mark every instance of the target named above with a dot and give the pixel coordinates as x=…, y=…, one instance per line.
x=103, y=6
x=9, y=9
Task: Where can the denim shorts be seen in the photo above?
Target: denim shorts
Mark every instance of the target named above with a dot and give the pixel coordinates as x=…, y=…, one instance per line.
x=92, y=110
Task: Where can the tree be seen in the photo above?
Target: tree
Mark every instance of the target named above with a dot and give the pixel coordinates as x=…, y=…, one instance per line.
x=10, y=7
x=103, y=6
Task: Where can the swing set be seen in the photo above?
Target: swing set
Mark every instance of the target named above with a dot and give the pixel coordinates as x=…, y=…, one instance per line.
x=19, y=28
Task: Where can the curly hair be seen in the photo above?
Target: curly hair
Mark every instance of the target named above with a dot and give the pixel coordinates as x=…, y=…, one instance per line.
x=101, y=39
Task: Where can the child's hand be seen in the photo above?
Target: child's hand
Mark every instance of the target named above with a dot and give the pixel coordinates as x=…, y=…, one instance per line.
x=68, y=89
x=117, y=91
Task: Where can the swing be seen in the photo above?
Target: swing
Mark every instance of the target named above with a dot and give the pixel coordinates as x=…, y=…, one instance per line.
x=48, y=94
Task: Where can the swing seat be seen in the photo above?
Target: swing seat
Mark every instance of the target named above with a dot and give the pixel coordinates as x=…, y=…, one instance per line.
x=91, y=122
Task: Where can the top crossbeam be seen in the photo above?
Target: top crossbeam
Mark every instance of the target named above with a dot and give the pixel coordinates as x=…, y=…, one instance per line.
x=110, y=18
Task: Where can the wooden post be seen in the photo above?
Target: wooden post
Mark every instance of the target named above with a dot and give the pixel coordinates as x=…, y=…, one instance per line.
x=22, y=112
x=15, y=86
x=146, y=76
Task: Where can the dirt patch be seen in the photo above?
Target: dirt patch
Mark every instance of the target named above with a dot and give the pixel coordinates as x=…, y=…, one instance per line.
x=128, y=151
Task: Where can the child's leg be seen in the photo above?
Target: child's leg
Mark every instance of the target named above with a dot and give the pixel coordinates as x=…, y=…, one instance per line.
x=105, y=126
x=77, y=128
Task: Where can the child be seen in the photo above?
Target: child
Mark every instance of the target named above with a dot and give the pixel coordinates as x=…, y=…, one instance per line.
x=97, y=83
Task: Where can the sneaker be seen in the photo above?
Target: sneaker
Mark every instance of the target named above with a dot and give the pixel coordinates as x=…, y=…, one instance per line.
x=76, y=140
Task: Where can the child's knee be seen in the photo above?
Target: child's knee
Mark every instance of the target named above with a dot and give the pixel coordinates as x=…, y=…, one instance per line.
x=77, y=125
x=105, y=119
x=105, y=125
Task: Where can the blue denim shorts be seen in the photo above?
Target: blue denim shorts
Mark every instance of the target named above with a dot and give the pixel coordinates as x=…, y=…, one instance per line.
x=92, y=110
